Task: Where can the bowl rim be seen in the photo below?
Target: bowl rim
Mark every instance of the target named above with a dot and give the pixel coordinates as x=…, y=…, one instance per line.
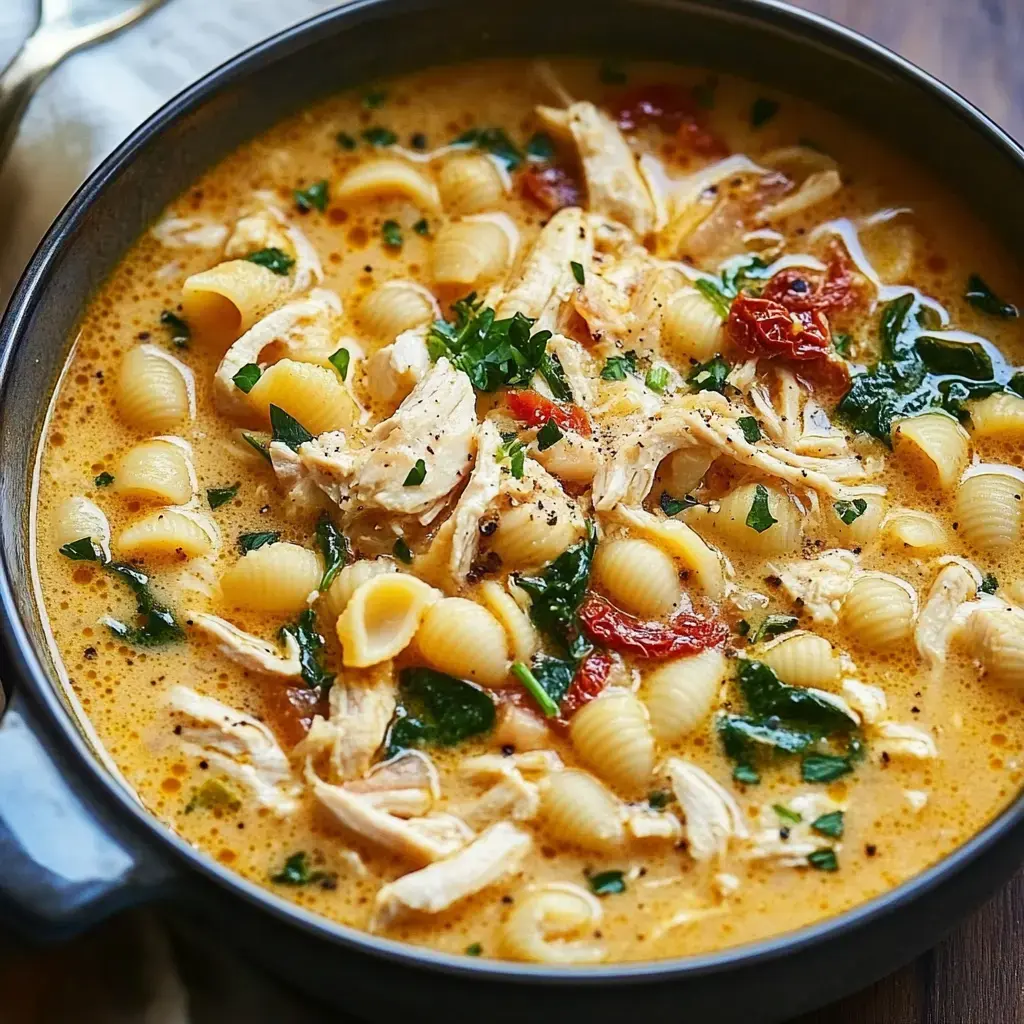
x=31, y=677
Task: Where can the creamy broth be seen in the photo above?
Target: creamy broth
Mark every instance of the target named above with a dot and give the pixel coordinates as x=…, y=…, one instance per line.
x=921, y=749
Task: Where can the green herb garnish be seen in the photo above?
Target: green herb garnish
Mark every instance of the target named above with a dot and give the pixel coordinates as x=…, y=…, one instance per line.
x=979, y=295
x=494, y=141
x=345, y=140
x=541, y=148
x=340, y=361
x=178, y=330
x=217, y=496
x=607, y=883
x=254, y=541
x=157, y=625
x=312, y=198
x=286, y=429
x=246, y=378
x=750, y=428
x=310, y=643
x=657, y=379
x=103, y=479
x=823, y=859
x=578, y=272
x=616, y=367
x=673, y=506
x=378, y=136
x=710, y=376
x=82, y=550
x=474, y=949
x=421, y=227
x=830, y=825
x=296, y=871
x=773, y=625
x=512, y=451
x=274, y=260
x=760, y=517
x=391, y=232
x=257, y=445
x=786, y=815
x=402, y=551
x=333, y=546
x=989, y=584
x=824, y=767
x=850, y=511
x=533, y=686
x=416, y=475
x=548, y=435
x=715, y=294
x=762, y=110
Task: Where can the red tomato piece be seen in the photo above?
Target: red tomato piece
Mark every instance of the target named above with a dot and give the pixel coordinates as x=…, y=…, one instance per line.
x=551, y=187
x=535, y=410
x=805, y=291
x=764, y=327
x=672, y=109
x=590, y=679
x=685, y=634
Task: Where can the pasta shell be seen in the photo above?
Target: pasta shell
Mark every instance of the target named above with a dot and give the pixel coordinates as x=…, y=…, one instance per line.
x=167, y=532
x=153, y=391
x=803, y=659
x=577, y=809
x=396, y=307
x=730, y=521
x=77, y=518
x=274, y=578
x=880, y=610
x=382, y=617
x=313, y=395
x=996, y=637
x=919, y=531
x=380, y=178
x=680, y=694
x=463, y=639
x=865, y=528
x=989, y=511
x=156, y=470
x=613, y=738
x=638, y=576
x=553, y=925
x=226, y=300
x=529, y=536
x=470, y=183
x=691, y=326
x=683, y=471
x=350, y=579
x=936, y=444
x=1000, y=417
x=468, y=252
x=522, y=637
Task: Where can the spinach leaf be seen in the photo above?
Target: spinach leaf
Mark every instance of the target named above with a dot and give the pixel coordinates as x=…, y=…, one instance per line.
x=81, y=550
x=340, y=361
x=257, y=445
x=823, y=859
x=416, y=475
x=607, y=883
x=659, y=799
x=422, y=227
x=274, y=260
x=710, y=376
x=830, y=825
x=552, y=372
x=824, y=767
x=157, y=626
x=246, y=378
x=989, y=584
x=715, y=294
x=541, y=148
x=379, y=136
x=437, y=710
x=673, y=506
x=217, y=496
x=304, y=632
x=760, y=517
x=577, y=272
x=512, y=451
x=548, y=435
x=850, y=511
x=254, y=541
x=312, y=198
x=762, y=110
x=616, y=367
x=494, y=141
x=979, y=295
x=773, y=625
x=177, y=328
x=391, y=232
x=103, y=479
x=287, y=429
x=333, y=547
x=954, y=358
x=767, y=696
x=402, y=551
x=297, y=871
x=750, y=428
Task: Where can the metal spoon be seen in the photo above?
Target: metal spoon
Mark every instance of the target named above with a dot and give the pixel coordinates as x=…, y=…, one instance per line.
x=63, y=27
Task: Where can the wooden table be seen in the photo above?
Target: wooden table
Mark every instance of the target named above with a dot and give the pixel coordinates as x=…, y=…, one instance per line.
x=976, y=974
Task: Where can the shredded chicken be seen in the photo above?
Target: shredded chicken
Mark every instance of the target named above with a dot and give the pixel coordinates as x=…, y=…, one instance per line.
x=493, y=855
x=406, y=786
x=510, y=795
x=868, y=701
x=936, y=623
x=247, y=650
x=238, y=745
x=819, y=584
x=788, y=842
x=394, y=370
x=266, y=227
x=483, y=487
x=898, y=740
x=646, y=823
x=576, y=364
x=712, y=815
x=189, y=232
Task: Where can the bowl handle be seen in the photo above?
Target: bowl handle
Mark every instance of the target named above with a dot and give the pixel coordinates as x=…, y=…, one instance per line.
x=63, y=866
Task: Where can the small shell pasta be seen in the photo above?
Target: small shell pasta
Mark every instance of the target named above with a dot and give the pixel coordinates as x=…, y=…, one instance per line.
x=388, y=178
x=154, y=390
x=382, y=617
x=156, y=470
x=350, y=579
x=223, y=302
x=920, y=531
x=680, y=693
x=996, y=637
x=684, y=470
x=579, y=810
x=313, y=395
x=553, y=925
x=803, y=659
x=168, y=532
x=730, y=521
x=1000, y=417
x=880, y=610
x=691, y=327
x=396, y=307
x=989, y=511
x=612, y=736
x=274, y=578
x=638, y=576
x=865, y=528
x=522, y=637
x=469, y=183
x=77, y=518
x=936, y=444
x=463, y=639
x=529, y=535
x=468, y=252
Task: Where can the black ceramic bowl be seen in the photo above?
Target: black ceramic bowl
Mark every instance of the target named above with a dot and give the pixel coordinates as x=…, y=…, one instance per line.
x=75, y=845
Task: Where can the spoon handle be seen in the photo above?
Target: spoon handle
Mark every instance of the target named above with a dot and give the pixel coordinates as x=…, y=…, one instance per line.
x=20, y=79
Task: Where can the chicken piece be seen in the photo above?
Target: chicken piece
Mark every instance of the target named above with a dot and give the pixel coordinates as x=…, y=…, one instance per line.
x=189, y=232
x=495, y=853
x=247, y=650
x=615, y=188
x=511, y=796
x=393, y=371
x=937, y=621
x=819, y=584
x=645, y=823
x=800, y=840
x=436, y=423
x=577, y=366
x=483, y=487
x=406, y=786
x=304, y=317
x=712, y=816
x=898, y=740
x=420, y=840
x=238, y=745
x=545, y=279
x=868, y=701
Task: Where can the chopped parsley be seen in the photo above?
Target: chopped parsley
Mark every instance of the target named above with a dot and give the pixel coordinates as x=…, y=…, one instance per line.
x=333, y=547
x=658, y=799
x=418, y=140
x=494, y=141
x=254, y=541
x=657, y=379
x=673, y=506
x=616, y=367
x=979, y=295
x=750, y=428
x=246, y=378
x=786, y=815
x=823, y=859
x=512, y=451
x=850, y=511
x=297, y=871
x=421, y=227
x=551, y=370
x=103, y=479
x=710, y=376
x=304, y=632
x=340, y=361
x=760, y=517
x=375, y=98
x=762, y=110
x=607, y=883
x=841, y=343
x=989, y=584
x=345, y=140
x=312, y=198
x=474, y=949
x=540, y=148
x=548, y=435
x=825, y=767
x=391, y=232
x=273, y=259
x=178, y=330
x=578, y=272
x=217, y=496
x=402, y=551
x=257, y=445
x=416, y=475
x=287, y=429
x=81, y=550
x=211, y=795
x=773, y=625
x=379, y=136
x=830, y=825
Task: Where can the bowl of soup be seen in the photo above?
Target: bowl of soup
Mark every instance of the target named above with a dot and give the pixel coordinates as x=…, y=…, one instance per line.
x=542, y=521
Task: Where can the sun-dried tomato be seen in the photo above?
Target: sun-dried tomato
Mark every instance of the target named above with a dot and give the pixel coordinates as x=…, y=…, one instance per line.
x=672, y=109
x=535, y=410
x=764, y=327
x=551, y=187
x=685, y=634
x=590, y=679
x=805, y=291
